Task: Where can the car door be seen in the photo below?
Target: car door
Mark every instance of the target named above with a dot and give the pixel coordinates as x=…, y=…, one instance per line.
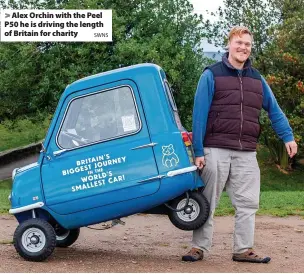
x=100, y=152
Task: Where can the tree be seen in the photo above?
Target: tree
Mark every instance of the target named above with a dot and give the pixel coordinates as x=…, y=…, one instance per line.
x=164, y=32
x=285, y=74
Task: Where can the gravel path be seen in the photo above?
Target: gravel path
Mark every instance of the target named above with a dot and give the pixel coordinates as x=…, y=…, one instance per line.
x=150, y=243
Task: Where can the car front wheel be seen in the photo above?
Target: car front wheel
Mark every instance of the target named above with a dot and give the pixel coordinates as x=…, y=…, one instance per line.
x=35, y=240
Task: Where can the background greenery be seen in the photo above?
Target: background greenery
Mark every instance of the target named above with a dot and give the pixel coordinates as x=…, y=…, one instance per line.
x=20, y=132
x=5, y=187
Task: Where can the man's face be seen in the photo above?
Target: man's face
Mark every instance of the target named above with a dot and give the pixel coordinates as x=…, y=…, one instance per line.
x=240, y=48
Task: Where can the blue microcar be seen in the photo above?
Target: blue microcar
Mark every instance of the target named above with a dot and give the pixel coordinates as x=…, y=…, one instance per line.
x=115, y=147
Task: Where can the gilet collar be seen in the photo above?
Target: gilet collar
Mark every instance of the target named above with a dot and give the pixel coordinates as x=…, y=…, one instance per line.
x=226, y=62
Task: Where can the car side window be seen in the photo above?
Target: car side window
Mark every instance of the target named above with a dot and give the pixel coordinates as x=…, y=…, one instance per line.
x=100, y=116
x=170, y=95
x=173, y=105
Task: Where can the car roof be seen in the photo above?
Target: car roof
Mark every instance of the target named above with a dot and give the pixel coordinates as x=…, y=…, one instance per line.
x=130, y=72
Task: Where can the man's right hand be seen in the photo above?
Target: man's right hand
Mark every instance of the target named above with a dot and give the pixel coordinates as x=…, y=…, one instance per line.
x=200, y=162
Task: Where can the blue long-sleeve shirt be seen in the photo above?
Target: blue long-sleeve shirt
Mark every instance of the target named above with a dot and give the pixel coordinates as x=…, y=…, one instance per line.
x=202, y=102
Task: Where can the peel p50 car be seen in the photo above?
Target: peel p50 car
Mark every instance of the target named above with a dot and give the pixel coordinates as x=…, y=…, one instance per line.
x=115, y=147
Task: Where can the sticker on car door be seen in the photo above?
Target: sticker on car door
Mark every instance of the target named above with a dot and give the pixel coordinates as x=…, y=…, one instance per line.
x=170, y=159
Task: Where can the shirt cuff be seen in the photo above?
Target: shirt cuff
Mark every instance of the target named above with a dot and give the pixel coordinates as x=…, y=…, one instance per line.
x=199, y=153
x=288, y=138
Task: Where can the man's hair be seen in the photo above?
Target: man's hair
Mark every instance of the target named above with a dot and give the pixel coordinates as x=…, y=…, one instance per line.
x=239, y=30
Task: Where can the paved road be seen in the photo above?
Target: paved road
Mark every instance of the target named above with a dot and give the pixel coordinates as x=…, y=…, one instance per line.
x=6, y=170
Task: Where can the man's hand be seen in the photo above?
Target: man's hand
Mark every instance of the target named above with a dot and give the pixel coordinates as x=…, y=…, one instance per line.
x=291, y=148
x=200, y=162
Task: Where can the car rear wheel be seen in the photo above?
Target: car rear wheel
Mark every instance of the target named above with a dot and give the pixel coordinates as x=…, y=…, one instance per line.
x=194, y=215
x=35, y=240
x=66, y=237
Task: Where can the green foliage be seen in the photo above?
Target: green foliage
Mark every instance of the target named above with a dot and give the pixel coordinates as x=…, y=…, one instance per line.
x=5, y=189
x=164, y=32
x=22, y=132
x=285, y=71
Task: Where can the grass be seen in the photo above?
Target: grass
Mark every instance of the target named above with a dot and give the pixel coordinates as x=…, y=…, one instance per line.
x=5, y=189
x=281, y=194
x=22, y=132
x=274, y=203
x=6, y=242
x=274, y=180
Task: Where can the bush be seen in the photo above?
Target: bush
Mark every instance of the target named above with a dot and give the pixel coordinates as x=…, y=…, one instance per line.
x=23, y=132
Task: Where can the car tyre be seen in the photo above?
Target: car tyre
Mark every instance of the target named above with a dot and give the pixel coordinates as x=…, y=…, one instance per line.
x=67, y=237
x=194, y=215
x=35, y=240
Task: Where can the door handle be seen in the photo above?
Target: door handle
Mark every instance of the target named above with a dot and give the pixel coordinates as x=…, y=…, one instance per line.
x=151, y=179
x=144, y=146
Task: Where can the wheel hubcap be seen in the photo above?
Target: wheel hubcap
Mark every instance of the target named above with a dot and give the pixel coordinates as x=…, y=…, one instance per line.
x=191, y=212
x=33, y=240
x=63, y=235
x=188, y=210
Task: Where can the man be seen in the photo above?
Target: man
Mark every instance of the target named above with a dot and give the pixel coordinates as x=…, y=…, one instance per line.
x=227, y=105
